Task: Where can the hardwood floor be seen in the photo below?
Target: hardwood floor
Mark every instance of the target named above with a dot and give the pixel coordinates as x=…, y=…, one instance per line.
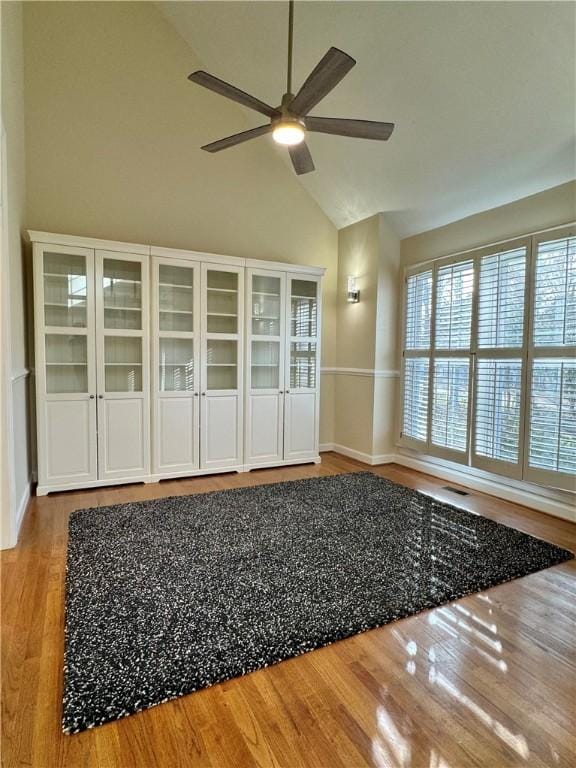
x=487, y=681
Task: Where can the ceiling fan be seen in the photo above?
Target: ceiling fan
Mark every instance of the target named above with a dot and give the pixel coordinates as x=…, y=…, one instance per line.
x=290, y=121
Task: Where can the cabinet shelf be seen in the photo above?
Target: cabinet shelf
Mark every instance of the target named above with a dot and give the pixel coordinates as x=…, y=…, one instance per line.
x=66, y=276
x=264, y=293
x=81, y=363
x=175, y=285
x=223, y=290
x=222, y=365
x=125, y=309
x=307, y=298
x=79, y=303
x=177, y=311
x=222, y=314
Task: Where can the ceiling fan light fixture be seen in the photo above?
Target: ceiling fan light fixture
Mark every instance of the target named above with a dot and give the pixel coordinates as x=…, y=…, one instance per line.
x=288, y=133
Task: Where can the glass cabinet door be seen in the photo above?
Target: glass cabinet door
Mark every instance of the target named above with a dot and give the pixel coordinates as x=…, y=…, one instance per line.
x=122, y=292
x=221, y=301
x=222, y=329
x=66, y=280
x=265, y=328
x=65, y=290
x=176, y=328
x=303, y=333
x=122, y=319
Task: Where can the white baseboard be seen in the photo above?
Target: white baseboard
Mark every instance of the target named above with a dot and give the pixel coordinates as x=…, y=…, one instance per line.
x=18, y=518
x=492, y=487
x=352, y=453
x=25, y=498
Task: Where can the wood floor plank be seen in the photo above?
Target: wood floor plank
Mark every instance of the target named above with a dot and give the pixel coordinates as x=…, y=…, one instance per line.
x=489, y=680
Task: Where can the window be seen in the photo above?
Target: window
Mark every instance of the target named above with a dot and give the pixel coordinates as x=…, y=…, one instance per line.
x=500, y=360
x=416, y=356
x=552, y=408
x=489, y=367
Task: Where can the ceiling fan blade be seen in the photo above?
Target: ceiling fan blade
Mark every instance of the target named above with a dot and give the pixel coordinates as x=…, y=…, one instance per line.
x=358, y=129
x=231, y=92
x=237, y=138
x=323, y=78
x=301, y=158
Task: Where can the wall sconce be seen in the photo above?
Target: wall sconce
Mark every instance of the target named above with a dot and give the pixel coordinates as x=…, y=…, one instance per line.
x=353, y=295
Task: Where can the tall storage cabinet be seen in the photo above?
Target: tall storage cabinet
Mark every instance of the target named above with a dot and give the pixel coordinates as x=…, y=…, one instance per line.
x=175, y=366
x=221, y=398
x=65, y=341
x=92, y=366
x=283, y=373
x=154, y=363
x=122, y=344
x=302, y=409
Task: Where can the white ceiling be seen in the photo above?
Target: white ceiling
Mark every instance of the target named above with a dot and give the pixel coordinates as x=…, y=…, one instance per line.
x=482, y=93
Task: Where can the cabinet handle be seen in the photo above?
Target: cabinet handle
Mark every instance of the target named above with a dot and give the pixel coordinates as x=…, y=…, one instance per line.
x=281, y=392
x=203, y=394
x=91, y=397
x=100, y=397
x=195, y=394
x=287, y=391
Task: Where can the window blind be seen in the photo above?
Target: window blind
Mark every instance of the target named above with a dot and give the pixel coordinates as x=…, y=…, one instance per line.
x=450, y=403
x=418, y=310
x=454, y=288
x=501, y=299
x=415, y=410
x=555, y=293
x=553, y=415
x=498, y=403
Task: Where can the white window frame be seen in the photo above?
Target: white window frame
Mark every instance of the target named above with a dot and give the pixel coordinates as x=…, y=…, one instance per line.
x=527, y=353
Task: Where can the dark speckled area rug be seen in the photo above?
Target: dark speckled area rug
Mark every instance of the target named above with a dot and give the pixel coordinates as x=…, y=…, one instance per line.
x=168, y=596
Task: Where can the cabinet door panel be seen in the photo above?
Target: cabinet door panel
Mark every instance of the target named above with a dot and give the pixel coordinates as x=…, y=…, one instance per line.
x=175, y=365
x=301, y=414
x=220, y=432
x=65, y=365
x=300, y=426
x=266, y=328
x=176, y=434
x=122, y=362
x=265, y=426
x=70, y=447
x=123, y=450
x=222, y=366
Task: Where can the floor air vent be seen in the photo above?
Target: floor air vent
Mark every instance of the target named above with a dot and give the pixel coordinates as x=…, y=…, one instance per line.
x=455, y=490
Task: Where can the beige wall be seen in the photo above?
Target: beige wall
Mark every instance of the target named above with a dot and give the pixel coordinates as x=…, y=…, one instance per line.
x=550, y=208
x=367, y=337
x=113, y=132
x=14, y=426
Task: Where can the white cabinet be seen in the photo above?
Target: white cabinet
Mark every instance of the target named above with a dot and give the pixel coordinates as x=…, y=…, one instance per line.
x=65, y=365
x=149, y=364
x=92, y=366
x=266, y=325
x=123, y=365
x=221, y=407
x=175, y=366
x=302, y=406
x=282, y=404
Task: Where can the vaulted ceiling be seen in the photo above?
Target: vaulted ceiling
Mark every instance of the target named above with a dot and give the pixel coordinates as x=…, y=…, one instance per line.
x=482, y=93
